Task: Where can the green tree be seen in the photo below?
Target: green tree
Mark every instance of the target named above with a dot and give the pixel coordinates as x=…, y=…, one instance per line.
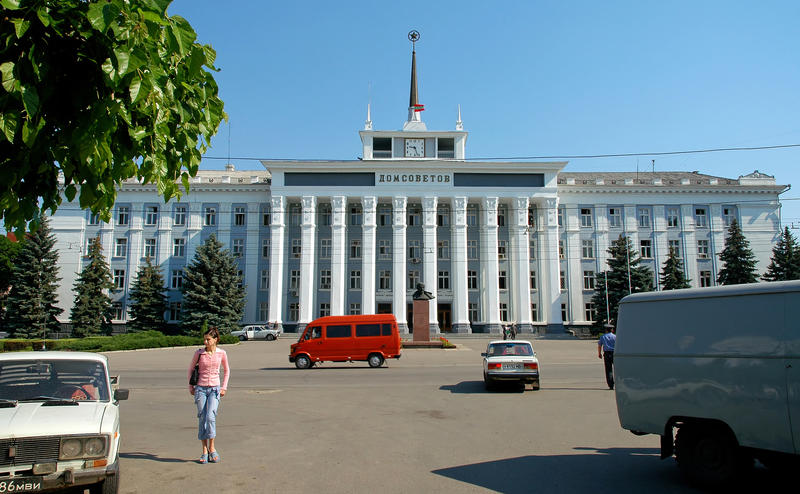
x=672, y=275
x=212, y=289
x=99, y=91
x=148, y=301
x=31, y=306
x=91, y=310
x=623, y=277
x=739, y=262
x=785, y=262
x=9, y=250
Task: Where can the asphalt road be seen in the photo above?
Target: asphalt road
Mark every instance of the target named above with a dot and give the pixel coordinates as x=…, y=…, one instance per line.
x=423, y=423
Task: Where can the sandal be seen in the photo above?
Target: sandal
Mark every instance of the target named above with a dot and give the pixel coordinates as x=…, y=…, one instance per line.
x=203, y=459
x=214, y=457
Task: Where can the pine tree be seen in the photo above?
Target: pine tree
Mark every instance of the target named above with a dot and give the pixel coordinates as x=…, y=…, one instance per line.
x=785, y=262
x=32, y=308
x=9, y=250
x=621, y=256
x=739, y=262
x=148, y=302
x=212, y=291
x=91, y=311
x=672, y=276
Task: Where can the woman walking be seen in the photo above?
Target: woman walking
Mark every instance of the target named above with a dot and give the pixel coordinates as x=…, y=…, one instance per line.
x=208, y=391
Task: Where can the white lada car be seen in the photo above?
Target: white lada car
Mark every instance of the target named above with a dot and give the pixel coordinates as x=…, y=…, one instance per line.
x=510, y=360
x=59, y=422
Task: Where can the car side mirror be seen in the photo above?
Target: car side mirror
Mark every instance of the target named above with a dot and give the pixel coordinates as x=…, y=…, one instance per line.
x=121, y=394
x=483, y=354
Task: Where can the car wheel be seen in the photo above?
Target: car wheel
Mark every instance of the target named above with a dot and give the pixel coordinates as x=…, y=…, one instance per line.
x=488, y=382
x=242, y=337
x=109, y=486
x=302, y=362
x=708, y=455
x=535, y=385
x=270, y=337
x=375, y=360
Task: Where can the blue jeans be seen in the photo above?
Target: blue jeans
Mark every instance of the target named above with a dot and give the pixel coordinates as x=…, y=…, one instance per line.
x=207, y=400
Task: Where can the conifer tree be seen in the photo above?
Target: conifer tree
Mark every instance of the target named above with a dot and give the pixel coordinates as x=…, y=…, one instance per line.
x=91, y=311
x=9, y=250
x=621, y=256
x=148, y=302
x=785, y=262
x=672, y=275
x=739, y=262
x=212, y=291
x=32, y=308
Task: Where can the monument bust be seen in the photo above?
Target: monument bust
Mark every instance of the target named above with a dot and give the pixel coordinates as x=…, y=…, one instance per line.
x=421, y=294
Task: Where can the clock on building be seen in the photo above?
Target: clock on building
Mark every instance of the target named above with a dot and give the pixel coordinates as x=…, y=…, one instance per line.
x=415, y=148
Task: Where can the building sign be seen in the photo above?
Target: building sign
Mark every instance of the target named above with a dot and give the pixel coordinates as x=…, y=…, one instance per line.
x=406, y=178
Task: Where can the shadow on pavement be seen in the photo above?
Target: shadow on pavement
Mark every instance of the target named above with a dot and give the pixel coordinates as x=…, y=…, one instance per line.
x=151, y=457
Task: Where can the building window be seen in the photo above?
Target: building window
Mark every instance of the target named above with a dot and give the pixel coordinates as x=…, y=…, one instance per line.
x=532, y=217
x=561, y=217
x=702, y=249
x=502, y=280
x=586, y=218
x=266, y=217
x=294, y=311
x=413, y=216
x=211, y=217
x=472, y=312
x=356, y=215
x=563, y=312
x=121, y=247
x=501, y=215
x=238, y=216
x=533, y=280
x=443, y=249
x=503, y=311
x=472, y=249
x=587, y=249
x=445, y=147
x=705, y=278
x=176, y=280
x=588, y=280
x=294, y=280
x=117, y=311
x=123, y=213
x=727, y=216
x=263, y=311
x=264, y=280
x=355, y=249
x=562, y=281
x=119, y=279
x=240, y=278
x=324, y=309
x=561, y=249
x=502, y=249
x=413, y=279
x=265, y=244
x=588, y=311
x=700, y=217
x=644, y=218
x=175, y=311
x=534, y=313
x=295, y=214
x=472, y=216
x=180, y=215
x=94, y=219
x=325, y=248
x=532, y=248
x=150, y=248
x=614, y=217
x=675, y=246
x=414, y=252
x=444, y=280
x=325, y=214
x=646, y=249
x=151, y=216
x=381, y=147
x=672, y=217
x=178, y=247
x=238, y=247
x=385, y=280
x=355, y=309
x=472, y=279
x=355, y=279
x=325, y=279
x=443, y=216
x=297, y=248
x=385, y=216
x=384, y=249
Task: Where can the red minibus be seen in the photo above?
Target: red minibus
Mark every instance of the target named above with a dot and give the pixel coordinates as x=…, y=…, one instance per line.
x=372, y=338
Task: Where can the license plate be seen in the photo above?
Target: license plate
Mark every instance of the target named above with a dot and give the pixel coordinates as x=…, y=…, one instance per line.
x=21, y=484
x=512, y=366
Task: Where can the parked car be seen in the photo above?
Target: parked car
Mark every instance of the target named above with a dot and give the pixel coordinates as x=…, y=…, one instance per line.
x=59, y=422
x=510, y=361
x=257, y=332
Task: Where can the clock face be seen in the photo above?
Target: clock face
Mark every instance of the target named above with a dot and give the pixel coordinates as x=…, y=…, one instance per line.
x=415, y=148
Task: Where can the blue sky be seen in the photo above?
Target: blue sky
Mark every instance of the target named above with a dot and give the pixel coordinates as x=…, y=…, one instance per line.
x=533, y=78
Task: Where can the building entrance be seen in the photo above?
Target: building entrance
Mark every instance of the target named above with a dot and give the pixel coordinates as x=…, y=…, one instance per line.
x=444, y=318
x=384, y=309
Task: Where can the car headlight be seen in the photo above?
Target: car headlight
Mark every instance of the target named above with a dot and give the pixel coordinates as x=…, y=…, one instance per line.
x=74, y=448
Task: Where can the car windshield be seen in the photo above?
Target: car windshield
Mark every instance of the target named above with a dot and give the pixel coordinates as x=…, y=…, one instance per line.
x=43, y=380
x=510, y=348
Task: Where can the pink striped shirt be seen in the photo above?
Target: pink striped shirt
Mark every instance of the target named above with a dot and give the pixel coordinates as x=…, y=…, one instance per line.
x=209, y=367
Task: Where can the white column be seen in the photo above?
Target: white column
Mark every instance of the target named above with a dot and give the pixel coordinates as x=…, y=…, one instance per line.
x=194, y=226
x=368, y=207
x=134, y=243
x=660, y=245
x=224, y=224
x=551, y=286
x=717, y=243
x=429, y=266
x=277, y=259
x=308, y=262
x=574, y=271
x=339, y=283
x=520, y=266
x=690, y=245
x=252, y=253
x=163, y=237
x=399, y=262
x=602, y=237
x=490, y=295
x=458, y=266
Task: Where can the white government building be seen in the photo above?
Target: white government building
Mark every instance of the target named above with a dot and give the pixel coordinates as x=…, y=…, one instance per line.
x=494, y=241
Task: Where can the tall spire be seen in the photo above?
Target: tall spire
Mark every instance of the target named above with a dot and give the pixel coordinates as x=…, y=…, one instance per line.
x=368, y=123
x=414, y=121
x=459, y=124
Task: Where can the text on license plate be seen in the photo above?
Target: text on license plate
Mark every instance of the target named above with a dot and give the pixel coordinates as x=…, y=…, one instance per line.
x=21, y=484
x=514, y=366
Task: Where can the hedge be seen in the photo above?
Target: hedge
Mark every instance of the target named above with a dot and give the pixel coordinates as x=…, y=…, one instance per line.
x=128, y=341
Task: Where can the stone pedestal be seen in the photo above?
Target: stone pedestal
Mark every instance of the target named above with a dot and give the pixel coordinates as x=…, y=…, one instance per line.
x=422, y=331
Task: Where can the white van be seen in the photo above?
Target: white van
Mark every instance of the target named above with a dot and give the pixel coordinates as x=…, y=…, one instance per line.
x=722, y=365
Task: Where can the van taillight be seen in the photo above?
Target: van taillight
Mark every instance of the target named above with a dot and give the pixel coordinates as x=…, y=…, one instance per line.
x=532, y=365
x=493, y=366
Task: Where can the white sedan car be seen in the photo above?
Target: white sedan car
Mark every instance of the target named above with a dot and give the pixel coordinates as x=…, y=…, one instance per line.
x=510, y=360
x=256, y=332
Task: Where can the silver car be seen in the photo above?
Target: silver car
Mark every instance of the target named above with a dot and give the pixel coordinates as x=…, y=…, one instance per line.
x=510, y=360
x=256, y=332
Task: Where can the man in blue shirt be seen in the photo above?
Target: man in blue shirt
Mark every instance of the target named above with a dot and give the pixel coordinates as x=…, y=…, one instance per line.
x=605, y=351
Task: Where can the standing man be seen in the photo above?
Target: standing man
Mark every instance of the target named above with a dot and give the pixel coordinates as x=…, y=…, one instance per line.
x=605, y=351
